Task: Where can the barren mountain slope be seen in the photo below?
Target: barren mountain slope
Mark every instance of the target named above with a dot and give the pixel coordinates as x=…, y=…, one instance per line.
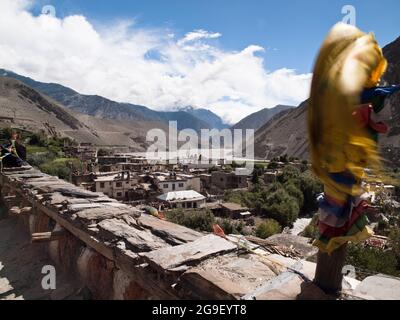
x=23, y=107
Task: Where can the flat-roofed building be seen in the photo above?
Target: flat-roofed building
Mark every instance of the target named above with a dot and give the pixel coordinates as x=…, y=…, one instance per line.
x=188, y=199
x=116, y=186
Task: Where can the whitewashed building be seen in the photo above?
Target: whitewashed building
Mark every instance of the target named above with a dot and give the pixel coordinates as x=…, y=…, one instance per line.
x=188, y=199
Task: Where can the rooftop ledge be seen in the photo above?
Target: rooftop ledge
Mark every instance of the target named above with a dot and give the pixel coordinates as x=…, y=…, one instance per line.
x=120, y=252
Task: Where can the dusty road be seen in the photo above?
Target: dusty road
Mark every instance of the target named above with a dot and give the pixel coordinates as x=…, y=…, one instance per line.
x=21, y=264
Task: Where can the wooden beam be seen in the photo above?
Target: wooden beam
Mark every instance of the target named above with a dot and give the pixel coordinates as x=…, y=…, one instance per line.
x=47, y=236
x=20, y=211
x=91, y=241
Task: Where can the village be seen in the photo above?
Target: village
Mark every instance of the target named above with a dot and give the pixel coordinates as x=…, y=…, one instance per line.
x=169, y=191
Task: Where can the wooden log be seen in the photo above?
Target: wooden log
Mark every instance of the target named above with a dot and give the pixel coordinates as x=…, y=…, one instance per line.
x=328, y=275
x=47, y=236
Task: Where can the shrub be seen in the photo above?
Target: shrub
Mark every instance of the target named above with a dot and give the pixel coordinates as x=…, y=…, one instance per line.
x=202, y=220
x=371, y=261
x=38, y=139
x=311, y=231
x=231, y=226
x=62, y=167
x=268, y=228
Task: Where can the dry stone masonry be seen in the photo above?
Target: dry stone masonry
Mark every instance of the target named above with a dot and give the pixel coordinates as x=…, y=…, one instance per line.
x=119, y=252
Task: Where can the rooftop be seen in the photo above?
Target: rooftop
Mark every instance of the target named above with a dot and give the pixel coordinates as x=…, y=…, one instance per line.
x=190, y=195
x=233, y=206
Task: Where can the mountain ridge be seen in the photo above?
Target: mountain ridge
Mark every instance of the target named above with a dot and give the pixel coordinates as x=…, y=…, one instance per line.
x=101, y=107
x=257, y=119
x=25, y=108
x=286, y=133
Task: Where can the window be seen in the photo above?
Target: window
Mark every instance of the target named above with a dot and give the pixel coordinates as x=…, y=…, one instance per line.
x=181, y=185
x=173, y=186
x=119, y=184
x=102, y=185
x=165, y=186
x=119, y=194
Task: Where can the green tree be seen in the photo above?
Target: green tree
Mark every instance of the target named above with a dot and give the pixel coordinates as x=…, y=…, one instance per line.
x=394, y=237
x=272, y=165
x=290, y=173
x=311, y=187
x=284, y=158
x=257, y=173
x=295, y=192
x=282, y=207
x=268, y=228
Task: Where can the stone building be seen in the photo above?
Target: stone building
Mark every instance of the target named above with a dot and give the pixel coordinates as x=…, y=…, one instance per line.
x=116, y=186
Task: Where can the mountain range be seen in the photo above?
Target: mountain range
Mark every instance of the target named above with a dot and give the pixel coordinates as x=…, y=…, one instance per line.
x=256, y=120
x=100, y=107
x=25, y=108
x=89, y=118
x=286, y=133
x=58, y=110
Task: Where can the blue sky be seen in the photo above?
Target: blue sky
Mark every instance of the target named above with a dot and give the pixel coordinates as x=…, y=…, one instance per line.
x=290, y=30
x=233, y=57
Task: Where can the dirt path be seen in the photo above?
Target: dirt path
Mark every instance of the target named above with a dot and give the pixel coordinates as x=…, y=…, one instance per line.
x=21, y=264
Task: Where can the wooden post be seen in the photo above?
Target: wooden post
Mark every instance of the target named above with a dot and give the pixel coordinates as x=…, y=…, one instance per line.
x=328, y=275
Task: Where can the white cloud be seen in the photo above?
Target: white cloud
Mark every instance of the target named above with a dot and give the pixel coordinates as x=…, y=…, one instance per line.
x=198, y=35
x=143, y=66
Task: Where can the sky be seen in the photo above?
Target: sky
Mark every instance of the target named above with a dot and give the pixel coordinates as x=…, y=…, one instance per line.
x=233, y=57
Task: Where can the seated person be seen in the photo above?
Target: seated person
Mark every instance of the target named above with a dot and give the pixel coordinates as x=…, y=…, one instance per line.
x=8, y=158
x=18, y=148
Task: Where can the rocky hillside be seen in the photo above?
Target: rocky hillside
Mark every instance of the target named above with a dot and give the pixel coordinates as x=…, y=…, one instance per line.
x=287, y=132
x=256, y=120
x=101, y=107
x=24, y=107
